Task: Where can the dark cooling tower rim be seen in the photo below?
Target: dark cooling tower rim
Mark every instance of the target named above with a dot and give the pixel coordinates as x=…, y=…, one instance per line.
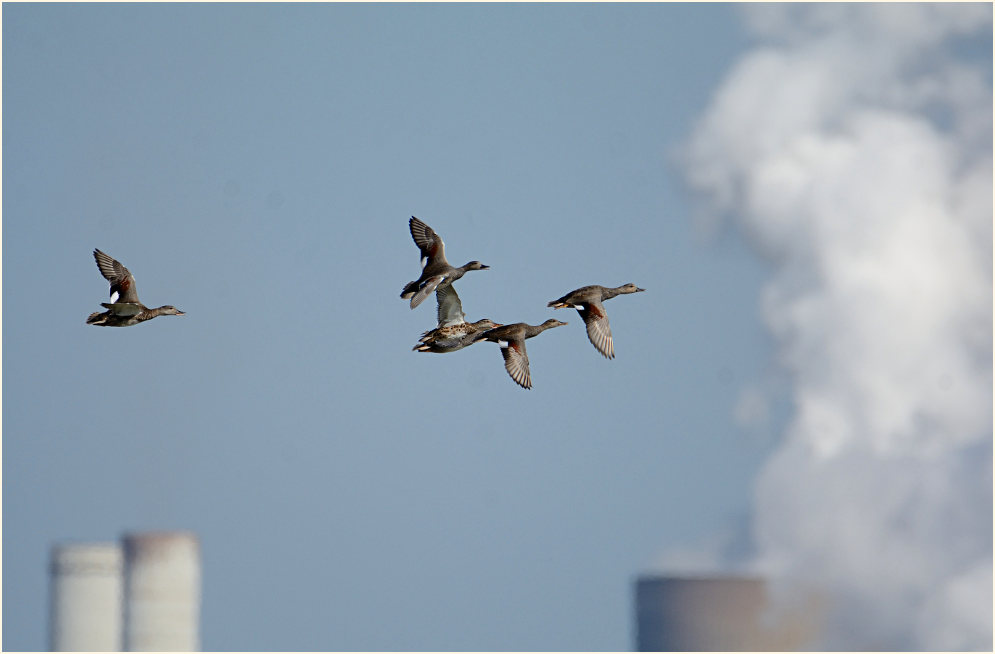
x=86, y=558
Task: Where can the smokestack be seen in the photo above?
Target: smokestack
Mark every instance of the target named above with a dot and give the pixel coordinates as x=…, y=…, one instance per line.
x=86, y=598
x=162, y=592
x=720, y=614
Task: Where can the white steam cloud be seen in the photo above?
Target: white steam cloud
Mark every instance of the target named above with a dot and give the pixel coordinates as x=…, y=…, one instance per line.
x=853, y=145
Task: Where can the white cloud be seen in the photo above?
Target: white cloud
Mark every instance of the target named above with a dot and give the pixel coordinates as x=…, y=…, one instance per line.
x=853, y=147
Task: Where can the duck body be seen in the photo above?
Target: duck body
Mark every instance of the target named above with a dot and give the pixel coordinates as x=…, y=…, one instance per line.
x=512, y=338
x=453, y=337
x=454, y=332
x=124, y=309
x=588, y=302
x=436, y=270
x=126, y=314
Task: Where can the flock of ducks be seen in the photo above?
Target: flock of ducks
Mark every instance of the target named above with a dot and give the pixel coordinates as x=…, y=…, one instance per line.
x=453, y=332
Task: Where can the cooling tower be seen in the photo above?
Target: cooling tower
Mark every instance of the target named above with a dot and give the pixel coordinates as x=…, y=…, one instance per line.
x=161, y=592
x=720, y=614
x=86, y=598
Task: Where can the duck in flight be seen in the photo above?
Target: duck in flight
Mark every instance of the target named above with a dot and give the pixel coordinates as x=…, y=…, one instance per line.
x=511, y=338
x=124, y=309
x=436, y=271
x=588, y=302
x=454, y=332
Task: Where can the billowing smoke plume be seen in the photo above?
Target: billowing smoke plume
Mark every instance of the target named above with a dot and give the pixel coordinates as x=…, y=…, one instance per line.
x=853, y=146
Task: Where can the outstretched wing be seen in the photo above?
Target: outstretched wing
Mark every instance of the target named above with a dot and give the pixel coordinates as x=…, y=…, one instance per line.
x=599, y=332
x=121, y=280
x=516, y=362
x=450, y=310
x=430, y=243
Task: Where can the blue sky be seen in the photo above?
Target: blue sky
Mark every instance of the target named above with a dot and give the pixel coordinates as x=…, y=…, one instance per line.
x=256, y=165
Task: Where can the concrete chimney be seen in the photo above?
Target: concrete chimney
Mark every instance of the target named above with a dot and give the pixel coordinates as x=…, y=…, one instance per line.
x=86, y=603
x=161, y=591
x=721, y=613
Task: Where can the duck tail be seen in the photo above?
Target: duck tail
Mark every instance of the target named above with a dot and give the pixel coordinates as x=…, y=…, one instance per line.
x=96, y=318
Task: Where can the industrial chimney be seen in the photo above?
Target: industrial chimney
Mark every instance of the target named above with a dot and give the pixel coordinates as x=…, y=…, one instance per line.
x=161, y=591
x=721, y=613
x=86, y=587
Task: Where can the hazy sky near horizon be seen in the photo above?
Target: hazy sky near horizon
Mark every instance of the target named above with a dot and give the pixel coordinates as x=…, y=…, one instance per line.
x=256, y=166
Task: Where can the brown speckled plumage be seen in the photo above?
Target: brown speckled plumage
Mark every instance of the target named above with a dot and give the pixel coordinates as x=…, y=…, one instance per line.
x=453, y=332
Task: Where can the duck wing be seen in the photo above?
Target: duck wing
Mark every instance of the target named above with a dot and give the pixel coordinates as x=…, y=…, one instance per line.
x=599, y=332
x=516, y=362
x=426, y=289
x=123, y=309
x=431, y=245
x=450, y=311
x=121, y=280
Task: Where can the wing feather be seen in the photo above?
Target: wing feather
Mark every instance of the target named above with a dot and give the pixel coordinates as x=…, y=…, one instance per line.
x=599, y=331
x=121, y=280
x=430, y=243
x=450, y=310
x=426, y=289
x=516, y=362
